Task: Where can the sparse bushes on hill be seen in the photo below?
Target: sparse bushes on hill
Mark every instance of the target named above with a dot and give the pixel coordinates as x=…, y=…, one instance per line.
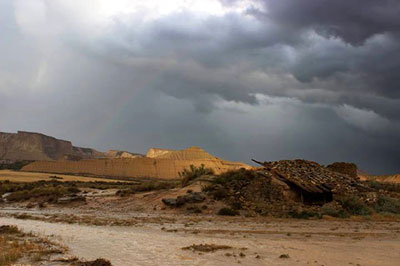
x=7, y=186
x=147, y=186
x=235, y=176
x=220, y=193
x=387, y=205
x=51, y=193
x=354, y=206
x=392, y=187
x=194, y=172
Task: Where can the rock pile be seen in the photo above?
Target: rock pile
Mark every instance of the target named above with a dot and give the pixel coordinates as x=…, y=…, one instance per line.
x=313, y=177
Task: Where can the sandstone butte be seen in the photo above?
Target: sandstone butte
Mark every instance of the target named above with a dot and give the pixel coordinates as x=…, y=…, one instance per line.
x=33, y=146
x=158, y=163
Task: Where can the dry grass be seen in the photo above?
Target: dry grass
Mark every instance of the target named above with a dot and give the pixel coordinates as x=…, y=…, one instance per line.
x=15, y=245
x=17, y=176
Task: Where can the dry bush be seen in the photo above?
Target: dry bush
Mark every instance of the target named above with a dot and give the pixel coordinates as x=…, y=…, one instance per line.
x=15, y=245
x=207, y=247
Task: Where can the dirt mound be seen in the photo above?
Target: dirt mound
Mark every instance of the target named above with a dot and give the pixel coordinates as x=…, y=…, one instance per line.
x=35, y=146
x=349, y=169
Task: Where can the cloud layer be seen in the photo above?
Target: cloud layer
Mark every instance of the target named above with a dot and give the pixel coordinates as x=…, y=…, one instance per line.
x=244, y=79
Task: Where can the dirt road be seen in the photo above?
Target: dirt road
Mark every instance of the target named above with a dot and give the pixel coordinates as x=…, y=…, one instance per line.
x=261, y=243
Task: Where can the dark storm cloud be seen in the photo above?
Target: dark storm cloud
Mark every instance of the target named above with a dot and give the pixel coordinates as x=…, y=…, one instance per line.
x=368, y=52
x=281, y=79
x=353, y=21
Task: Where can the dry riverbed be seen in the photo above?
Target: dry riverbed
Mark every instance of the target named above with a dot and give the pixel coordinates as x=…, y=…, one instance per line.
x=209, y=240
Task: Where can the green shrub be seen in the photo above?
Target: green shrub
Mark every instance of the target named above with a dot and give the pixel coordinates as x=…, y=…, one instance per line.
x=14, y=166
x=227, y=212
x=9, y=229
x=334, y=213
x=52, y=193
x=235, y=176
x=236, y=205
x=7, y=186
x=147, y=186
x=354, y=206
x=220, y=193
x=304, y=214
x=388, y=205
x=193, y=173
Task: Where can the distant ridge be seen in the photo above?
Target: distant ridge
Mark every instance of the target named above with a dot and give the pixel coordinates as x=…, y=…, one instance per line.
x=123, y=154
x=34, y=146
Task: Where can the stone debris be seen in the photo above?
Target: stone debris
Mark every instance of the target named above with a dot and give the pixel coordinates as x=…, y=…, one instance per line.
x=191, y=197
x=312, y=177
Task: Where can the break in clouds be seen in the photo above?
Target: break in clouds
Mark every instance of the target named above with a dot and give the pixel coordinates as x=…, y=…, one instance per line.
x=269, y=80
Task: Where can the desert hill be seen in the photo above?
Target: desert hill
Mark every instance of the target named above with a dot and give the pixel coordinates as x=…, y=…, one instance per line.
x=386, y=178
x=36, y=146
x=379, y=178
x=162, y=164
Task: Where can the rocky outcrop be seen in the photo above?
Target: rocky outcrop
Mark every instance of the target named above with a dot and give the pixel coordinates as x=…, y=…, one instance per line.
x=35, y=146
x=123, y=154
x=192, y=153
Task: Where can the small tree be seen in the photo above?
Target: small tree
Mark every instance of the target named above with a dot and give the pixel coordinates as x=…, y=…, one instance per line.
x=194, y=172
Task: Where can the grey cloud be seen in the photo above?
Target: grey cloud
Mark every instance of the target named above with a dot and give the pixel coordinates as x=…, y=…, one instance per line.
x=353, y=21
x=276, y=85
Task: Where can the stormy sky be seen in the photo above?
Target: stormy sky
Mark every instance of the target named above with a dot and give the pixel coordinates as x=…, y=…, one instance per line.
x=263, y=79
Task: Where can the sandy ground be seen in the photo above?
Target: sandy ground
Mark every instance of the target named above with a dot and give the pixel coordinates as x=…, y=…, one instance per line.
x=17, y=176
x=260, y=240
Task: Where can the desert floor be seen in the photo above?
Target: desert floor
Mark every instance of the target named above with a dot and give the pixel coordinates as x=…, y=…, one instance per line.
x=18, y=176
x=155, y=239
